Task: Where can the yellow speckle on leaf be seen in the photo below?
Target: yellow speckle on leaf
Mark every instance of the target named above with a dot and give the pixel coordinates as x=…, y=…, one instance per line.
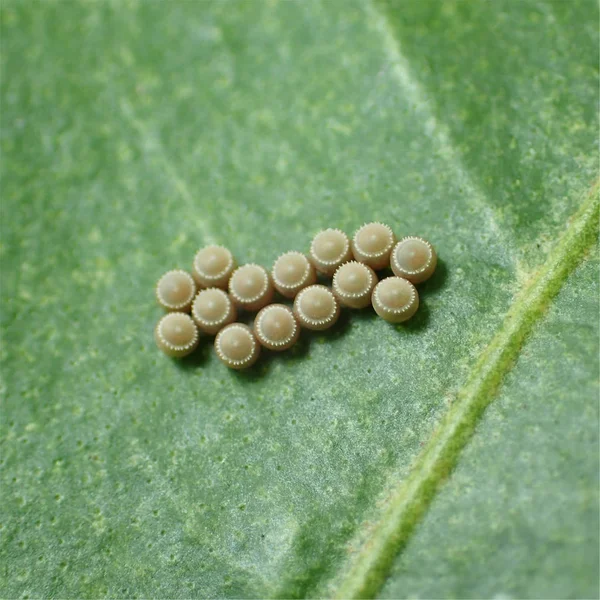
x=181, y=239
x=95, y=235
x=335, y=125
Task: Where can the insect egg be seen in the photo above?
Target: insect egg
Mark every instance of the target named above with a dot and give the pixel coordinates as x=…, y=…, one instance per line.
x=276, y=328
x=316, y=308
x=353, y=284
x=175, y=291
x=176, y=334
x=213, y=266
x=212, y=310
x=291, y=272
x=236, y=346
x=250, y=287
x=395, y=299
x=414, y=259
x=372, y=245
x=329, y=249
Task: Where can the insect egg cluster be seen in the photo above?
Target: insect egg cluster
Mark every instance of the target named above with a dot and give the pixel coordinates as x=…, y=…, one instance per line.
x=206, y=301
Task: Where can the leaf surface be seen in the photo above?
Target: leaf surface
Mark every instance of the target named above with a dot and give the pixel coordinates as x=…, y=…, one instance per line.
x=134, y=133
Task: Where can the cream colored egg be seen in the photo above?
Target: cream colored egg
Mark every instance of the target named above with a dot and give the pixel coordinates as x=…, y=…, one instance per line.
x=213, y=266
x=413, y=258
x=353, y=284
x=236, y=346
x=276, y=327
x=395, y=299
x=329, y=249
x=250, y=287
x=316, y=308
x=372, y=245
x=291, y=272
x=175, y=291
x=176, y=334
x=212, y=309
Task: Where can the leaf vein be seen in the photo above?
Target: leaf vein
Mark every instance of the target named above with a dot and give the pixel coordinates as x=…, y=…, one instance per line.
x=436, y=131
x=368, y=569
x=151, y=144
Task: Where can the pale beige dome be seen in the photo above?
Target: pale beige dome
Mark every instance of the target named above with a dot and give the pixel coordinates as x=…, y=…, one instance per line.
x=329, y=249
x=250, y=287
x=316, y=308
x=176, y=334
x=212, y=309
x=276, y=328
x=414, y=259
x=353, y=284
x=175, y=291
x=372, y=245
x=213, y=266
x=291, y=272
x=395, y=299
x=236, y=346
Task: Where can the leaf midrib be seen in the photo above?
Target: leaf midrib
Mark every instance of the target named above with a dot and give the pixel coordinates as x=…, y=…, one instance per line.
x=367, y=569
x=366, y=572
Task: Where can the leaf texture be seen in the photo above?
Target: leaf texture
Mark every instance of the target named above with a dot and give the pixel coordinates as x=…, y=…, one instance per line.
x=135, y=132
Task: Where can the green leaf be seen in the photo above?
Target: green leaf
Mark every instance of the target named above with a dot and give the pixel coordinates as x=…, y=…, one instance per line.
x=134, y=133
x=520, y=514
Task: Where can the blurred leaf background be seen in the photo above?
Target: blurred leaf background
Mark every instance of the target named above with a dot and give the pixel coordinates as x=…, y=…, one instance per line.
x=455, y=456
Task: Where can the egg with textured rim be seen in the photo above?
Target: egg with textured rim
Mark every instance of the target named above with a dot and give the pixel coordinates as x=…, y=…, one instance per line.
x=250, y=287
x=291, y=272
x=213, y=266
x=212, y=309
x=413, y=258
x=176, y=334
x=395, y=299
x=175, y=291
x=372, y=245
x=276, y=328
x=316, y=308
x=236, y=346
x=329, y=249
x=353, y=284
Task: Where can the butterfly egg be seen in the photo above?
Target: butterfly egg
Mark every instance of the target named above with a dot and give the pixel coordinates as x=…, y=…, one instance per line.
x=236, y=346
x=329, y=249
x=250, y=287
x=176, y=334
x=395, y=299
x=175, y=291
x=413, y=258
x=316, y=308
x=213, y=266
x=276, y=327
x=291, y=272
x=212, y=309
x=353, y=284
x=372, y=245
